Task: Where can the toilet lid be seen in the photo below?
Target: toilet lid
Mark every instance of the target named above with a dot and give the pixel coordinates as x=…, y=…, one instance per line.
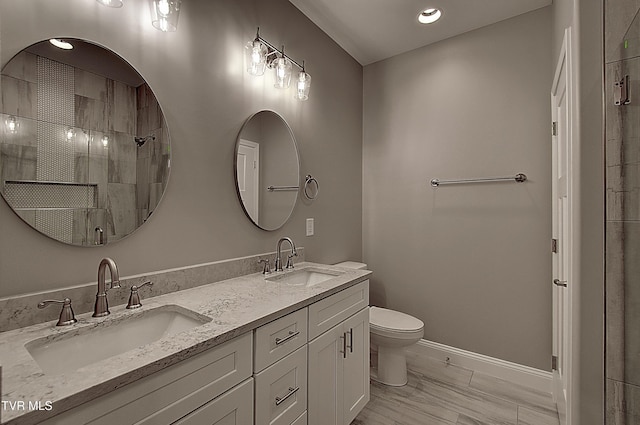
x=393, y=320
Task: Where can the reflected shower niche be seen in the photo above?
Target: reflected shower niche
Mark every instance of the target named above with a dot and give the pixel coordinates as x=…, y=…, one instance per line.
x=84, y=147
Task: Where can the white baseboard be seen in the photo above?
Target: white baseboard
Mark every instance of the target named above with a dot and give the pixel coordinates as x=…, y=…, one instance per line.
x=513, y=372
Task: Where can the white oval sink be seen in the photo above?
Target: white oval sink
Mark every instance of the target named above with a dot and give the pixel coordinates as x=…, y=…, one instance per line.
x=72, y=350
x=305, y=277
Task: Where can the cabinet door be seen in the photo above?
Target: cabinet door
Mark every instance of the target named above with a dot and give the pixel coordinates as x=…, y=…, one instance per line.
x=356, y=365
x=235, y=407
x=325, y=403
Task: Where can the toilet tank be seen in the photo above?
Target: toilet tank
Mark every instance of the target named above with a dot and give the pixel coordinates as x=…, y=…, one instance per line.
x=352, y=265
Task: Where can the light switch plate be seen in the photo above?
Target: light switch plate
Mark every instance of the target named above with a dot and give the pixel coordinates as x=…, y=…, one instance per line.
x=309, y=227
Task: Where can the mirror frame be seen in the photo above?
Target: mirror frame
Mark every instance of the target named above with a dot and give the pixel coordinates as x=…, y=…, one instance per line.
x=165, y=134
x=235, y=170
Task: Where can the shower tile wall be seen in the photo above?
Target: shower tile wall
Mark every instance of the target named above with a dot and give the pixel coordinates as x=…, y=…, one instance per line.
x=103, y=114
x=622, y=123
x=153, y=156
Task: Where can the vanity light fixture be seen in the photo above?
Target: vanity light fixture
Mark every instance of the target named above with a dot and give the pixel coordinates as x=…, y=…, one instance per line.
x=303, y=85
x=283, y=68
x=71, y=133
x=429, y=16
x=261, y=54
x=61, y=44
x=111, y=3
x=12, y=124
x=164, y=14
x=105, y=141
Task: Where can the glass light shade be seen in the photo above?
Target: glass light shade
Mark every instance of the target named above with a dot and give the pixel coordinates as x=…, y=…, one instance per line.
x=256, y=55
x=105, y=141
x=70, y=133
x=303, y=85
x=164, y=14
x=111, y=3
x=283, y=68
x=12, y=124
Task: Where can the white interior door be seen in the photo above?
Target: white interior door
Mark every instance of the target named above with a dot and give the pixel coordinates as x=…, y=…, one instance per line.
x=563, y=284
x=248, y=169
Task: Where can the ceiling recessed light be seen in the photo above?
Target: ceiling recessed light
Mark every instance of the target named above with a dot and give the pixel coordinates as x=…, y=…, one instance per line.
x=61, y=44
x=429, y=16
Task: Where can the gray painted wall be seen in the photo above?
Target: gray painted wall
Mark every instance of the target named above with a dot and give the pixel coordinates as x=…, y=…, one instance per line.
x=200, y=80
x=471, y=261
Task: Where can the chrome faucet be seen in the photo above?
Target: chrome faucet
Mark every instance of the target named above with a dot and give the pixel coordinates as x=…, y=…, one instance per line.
x=278, y=265
x=102, y=305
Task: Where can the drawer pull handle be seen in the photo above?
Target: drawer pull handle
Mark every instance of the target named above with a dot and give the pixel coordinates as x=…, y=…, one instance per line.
x=292, y=391
x=292, y=334
x=350, y=340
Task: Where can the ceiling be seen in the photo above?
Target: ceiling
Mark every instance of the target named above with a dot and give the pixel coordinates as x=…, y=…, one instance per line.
x=372, y=30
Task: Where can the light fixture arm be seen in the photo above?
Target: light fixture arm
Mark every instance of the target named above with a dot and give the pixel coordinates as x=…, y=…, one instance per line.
x=274, y=50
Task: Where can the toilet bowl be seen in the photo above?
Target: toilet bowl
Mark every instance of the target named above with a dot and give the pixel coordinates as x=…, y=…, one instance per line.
x=391, y=331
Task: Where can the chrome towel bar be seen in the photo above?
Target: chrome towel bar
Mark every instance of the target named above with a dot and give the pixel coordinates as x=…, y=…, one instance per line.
x=519, y=178
x=282, y=188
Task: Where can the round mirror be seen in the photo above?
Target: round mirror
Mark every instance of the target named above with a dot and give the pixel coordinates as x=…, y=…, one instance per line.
x=267, y=170
x=84, y=147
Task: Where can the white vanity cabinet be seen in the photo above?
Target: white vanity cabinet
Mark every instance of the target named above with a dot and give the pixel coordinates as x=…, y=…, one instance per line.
x=172, y=394
x=338, y=376
x=281, y=370
x=308, y=367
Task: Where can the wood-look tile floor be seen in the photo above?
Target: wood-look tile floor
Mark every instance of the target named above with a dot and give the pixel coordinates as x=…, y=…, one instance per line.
x=441, y=394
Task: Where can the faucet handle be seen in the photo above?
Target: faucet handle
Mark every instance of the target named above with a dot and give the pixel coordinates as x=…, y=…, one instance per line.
x=266, y=269
x=134, y=298
x=66, y=315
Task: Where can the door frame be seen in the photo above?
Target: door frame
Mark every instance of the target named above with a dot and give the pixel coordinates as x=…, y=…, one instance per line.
x=564, y=70
x=255, y=214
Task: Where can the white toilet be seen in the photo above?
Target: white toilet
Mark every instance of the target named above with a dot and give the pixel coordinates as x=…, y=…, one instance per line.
x=391, y=331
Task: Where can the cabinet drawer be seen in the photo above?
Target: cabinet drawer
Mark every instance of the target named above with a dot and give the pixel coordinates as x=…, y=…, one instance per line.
x=328, y=312
x=302, y=420
x=279, y=338
x=282, y=390
x=235, y=407
x=169, y=394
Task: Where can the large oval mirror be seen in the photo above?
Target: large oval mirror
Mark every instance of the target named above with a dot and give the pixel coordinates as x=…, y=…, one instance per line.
x=267, y=170
x=84, y=148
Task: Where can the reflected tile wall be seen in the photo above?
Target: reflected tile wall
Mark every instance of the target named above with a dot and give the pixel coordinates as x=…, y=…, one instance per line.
x=91, y=85
x=23, y=67
x=18, y=97
x=622, y=280
x=18, y=162
x=153, y=157
x=122, y=159
x=124, y=108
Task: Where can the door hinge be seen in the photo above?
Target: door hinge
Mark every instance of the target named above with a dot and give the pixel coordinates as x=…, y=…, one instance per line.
x=554, y=362
x=554, y=128
x=554, y=246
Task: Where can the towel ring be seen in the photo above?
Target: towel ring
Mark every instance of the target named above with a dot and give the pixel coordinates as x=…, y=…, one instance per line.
x=309, y=194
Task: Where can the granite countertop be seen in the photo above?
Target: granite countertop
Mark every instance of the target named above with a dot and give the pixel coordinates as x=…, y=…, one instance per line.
x=235, y=306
